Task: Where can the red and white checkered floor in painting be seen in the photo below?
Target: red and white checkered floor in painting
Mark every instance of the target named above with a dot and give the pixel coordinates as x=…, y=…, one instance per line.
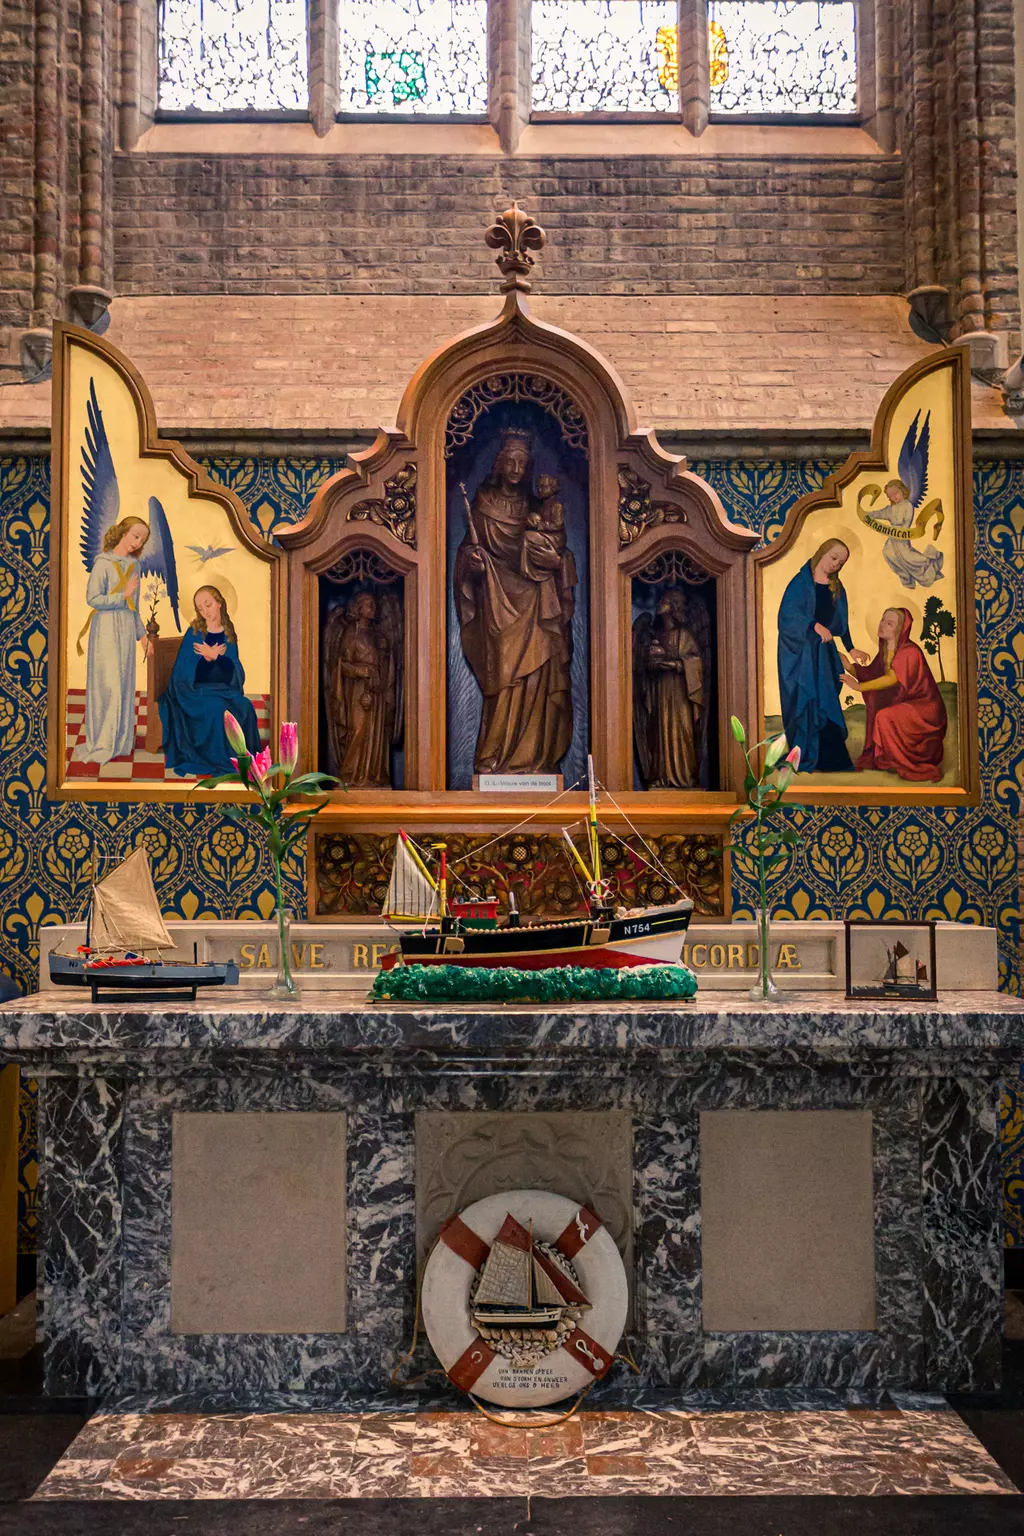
x=141, y=764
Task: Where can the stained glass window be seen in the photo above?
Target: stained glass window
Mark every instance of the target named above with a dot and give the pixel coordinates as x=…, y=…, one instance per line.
x=782, y=56
x=605, y=56
x=232, y=55
x=414, y=56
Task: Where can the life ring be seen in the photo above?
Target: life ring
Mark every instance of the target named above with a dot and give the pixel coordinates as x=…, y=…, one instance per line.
x=582, y=1247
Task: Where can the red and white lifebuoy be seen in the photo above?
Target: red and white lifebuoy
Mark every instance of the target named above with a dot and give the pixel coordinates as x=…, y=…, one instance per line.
x=462, y=1249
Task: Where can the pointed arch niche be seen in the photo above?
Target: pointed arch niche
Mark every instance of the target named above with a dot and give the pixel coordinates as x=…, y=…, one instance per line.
x=637, y=523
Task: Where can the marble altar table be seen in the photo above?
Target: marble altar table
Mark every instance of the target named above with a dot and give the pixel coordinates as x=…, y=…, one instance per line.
x=234, y=1193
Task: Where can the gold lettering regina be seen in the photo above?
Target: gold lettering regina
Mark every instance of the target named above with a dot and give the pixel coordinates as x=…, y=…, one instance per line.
x=871, y=493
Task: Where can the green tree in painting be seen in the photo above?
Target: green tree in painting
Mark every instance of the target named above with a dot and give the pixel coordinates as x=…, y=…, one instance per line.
x=937, y=623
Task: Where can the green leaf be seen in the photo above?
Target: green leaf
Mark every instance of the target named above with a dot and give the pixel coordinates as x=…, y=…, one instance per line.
x=216, y=779
x=316, y=782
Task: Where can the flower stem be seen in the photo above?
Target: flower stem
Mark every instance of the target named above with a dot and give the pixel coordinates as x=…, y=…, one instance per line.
x=763, y=887
x=282, y=937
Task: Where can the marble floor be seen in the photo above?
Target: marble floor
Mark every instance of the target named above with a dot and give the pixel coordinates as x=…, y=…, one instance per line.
x=913, y=1448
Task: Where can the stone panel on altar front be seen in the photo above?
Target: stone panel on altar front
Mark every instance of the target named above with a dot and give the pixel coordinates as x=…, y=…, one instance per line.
x=258, y=1217
x=787, y=1220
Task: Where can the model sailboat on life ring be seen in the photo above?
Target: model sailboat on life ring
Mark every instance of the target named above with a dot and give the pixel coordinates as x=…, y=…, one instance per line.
x=471, y=931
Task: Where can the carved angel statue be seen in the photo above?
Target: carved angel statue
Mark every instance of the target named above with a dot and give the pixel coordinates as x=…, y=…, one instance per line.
x=671, y=688
x=117, y=551
x=902, y=521
x=363, y=688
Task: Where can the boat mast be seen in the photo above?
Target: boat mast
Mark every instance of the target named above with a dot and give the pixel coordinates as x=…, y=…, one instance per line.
x=442, y=884
x=595, y=847
x=588, y=877
x=529, y=1269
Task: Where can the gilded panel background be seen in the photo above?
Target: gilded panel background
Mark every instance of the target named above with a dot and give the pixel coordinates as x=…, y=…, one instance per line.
x=904, y=861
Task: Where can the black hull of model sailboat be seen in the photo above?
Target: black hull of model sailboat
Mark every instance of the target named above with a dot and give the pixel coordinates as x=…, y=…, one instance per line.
x=651, y=937
x=147, y=979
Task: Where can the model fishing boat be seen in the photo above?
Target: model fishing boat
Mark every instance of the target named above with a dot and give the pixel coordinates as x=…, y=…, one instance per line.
x=520, y=1285
x=124, y=935
x=472, y=932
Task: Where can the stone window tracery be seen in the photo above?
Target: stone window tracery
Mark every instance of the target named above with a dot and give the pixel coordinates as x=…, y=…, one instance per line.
x=605, y=56
x=227, y=56
x=782, y=57
x=413, y=57
x=482, y=60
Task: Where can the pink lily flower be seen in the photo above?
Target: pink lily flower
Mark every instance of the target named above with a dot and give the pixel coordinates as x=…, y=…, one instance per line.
x=259, y=765
x=793, y=757
x=288, y=747
x=235, y=735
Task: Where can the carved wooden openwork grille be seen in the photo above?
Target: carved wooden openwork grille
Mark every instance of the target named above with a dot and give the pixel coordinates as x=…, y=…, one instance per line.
x=362, y=565
x=515, y=386
x=671, y=567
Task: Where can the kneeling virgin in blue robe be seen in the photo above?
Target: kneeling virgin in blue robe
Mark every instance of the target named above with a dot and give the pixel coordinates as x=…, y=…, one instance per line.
x=193, y=704
x=809, y=667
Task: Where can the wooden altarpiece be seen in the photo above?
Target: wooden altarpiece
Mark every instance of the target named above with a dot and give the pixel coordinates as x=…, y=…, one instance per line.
x=386, y=512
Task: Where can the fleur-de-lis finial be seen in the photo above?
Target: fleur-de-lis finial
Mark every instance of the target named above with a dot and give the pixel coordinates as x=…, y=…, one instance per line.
x=514, y=235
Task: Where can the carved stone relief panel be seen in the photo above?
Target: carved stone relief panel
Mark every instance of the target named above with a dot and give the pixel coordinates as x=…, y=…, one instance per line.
x=586, y=1155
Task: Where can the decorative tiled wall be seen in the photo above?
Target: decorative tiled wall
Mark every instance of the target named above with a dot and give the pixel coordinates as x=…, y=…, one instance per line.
x=942, y=863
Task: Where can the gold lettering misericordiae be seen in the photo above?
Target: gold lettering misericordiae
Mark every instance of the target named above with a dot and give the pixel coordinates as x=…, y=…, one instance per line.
x=730, y=957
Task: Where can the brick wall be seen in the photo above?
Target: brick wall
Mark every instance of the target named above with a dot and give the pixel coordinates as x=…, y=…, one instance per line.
x=405, y=224
x=17, y=124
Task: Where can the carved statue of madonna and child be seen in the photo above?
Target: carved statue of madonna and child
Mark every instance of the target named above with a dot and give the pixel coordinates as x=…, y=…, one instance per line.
x=515, y=581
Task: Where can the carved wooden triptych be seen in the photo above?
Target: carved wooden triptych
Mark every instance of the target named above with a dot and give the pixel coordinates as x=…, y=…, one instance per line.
x=513, y=576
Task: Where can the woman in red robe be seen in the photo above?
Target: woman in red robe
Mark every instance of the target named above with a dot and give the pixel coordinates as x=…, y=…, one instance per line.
x=906, y=718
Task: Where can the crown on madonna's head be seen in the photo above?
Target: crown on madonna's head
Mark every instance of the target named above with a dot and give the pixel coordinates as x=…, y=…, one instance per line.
x=516, y=435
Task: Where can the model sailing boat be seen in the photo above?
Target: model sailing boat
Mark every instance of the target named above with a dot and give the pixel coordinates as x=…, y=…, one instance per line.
x=903, y=972
x=471, y=932
x=123, y=927
x=520, y=1286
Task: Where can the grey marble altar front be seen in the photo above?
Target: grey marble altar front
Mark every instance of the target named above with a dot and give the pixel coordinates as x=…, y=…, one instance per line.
x=124, y=1088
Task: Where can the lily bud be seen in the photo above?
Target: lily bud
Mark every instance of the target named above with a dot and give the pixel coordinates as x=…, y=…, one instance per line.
x=774, y=751
x=288, y=746
x=259, y=765
x=234, y=733
x=793, y=757
x=737, y=730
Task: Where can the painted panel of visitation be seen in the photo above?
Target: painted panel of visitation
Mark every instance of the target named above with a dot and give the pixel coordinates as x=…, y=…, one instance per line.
x=863, y=597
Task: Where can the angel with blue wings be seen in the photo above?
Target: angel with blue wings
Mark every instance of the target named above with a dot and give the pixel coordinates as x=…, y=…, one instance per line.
x=906, y=518
x=117, y=551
